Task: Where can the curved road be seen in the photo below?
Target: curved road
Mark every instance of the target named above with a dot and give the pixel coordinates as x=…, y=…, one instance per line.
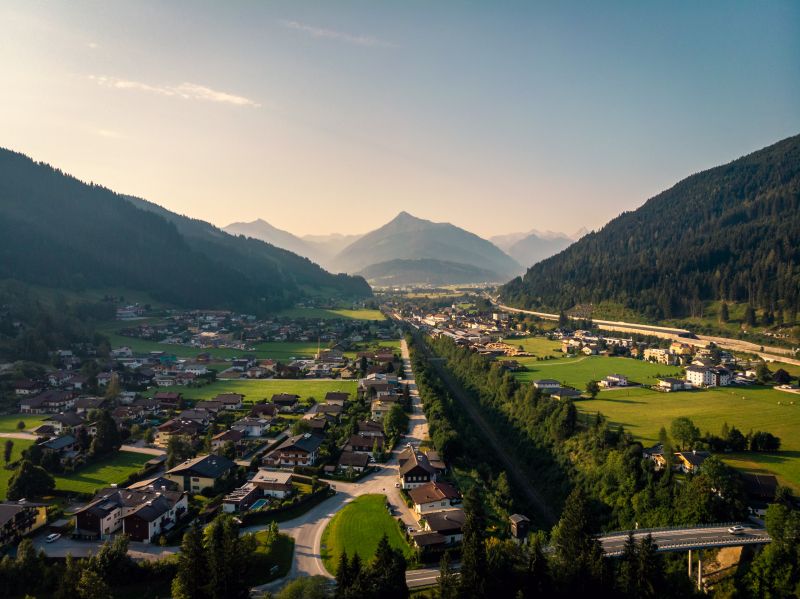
x=307, y=529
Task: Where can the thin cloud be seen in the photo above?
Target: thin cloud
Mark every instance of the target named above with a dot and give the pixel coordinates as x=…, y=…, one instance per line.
x=187, y=91
x=109, y=133
x=92, y=45
x=340, y=36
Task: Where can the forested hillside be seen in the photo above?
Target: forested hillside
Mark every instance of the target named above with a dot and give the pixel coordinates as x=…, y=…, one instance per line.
x=57, y=231
x=728, y=233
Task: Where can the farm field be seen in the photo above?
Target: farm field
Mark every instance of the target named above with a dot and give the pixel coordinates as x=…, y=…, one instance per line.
x=320, y=313
x=16, y=453
x=643, y=412
x=114, y=469
x=358, y=528
x=256, y=389
x=577, y=371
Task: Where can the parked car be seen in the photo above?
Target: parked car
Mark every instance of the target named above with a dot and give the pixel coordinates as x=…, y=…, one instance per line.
x=736, y=530
x=396, y=485
x=411, y=529
x=52, y=537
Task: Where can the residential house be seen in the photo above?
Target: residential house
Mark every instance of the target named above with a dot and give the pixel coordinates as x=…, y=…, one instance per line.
x=48, y=402
x=691, y=461
x=337, y=397
x=299, y=450
x=86, y=404
x=264, y=410
x=250, y=426
x=176, y=427
x=218, y=440
x=27, y=387
x=63, y=421
x=356, y=461
x=563, y=393
x=156, y=509
x=380, y=408
x=370, y=428
x=286, y=402
x=169, y=400
x=415, y=469
x=449, y=524
x=615, y=380
x=434, y=496
x=19, y=518
x=705, y=376
x=266, y=483
x=230, y=401
x=196, y=474
x=363, y=444
x=670, y=384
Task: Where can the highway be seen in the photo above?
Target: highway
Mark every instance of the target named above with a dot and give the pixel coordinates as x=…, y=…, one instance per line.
x=768, y=353
x=684, y=539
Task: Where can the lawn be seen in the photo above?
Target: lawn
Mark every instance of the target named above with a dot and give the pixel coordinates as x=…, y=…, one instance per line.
x=577, y=371
x=111, y=470
x=256, y=389
x=358, y=528
x=322, y=314
x=280, y=554
x=8, y=422
x=16, y=453
x=643, y=412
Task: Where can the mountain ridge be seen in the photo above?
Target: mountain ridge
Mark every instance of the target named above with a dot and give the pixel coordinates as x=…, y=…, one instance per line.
x=730, y=233
x=58, y=231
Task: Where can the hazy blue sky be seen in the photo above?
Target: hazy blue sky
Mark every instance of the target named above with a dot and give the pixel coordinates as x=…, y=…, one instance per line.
x=334, y=116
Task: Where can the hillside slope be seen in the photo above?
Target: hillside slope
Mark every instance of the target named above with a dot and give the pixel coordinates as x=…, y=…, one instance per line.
x=409, y=238
x=261, y=229
x=57, y=231
x=534, y=248
x=728, y=233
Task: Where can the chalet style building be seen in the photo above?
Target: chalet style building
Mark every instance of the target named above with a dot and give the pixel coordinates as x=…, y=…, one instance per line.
x=299, y=450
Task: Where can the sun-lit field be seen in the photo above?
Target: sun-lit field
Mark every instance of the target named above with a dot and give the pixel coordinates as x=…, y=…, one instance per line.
x=258, y=389
x=358, y=528
x=643, y=412
x=111, y=470
x=320, y=313
x=16, y=453
x=577, y=371
x=8, y=422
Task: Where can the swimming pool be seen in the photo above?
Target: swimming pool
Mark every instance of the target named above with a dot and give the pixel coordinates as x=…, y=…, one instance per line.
x=259, y=504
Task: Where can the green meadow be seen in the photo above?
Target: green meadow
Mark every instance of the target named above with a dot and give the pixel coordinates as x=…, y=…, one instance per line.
x=257, y=389
x=358, y=528
x=643, y=412
x=111, y=470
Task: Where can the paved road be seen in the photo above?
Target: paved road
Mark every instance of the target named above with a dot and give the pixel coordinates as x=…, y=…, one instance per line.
x=143, y=449
x=307, y=529
x=683, y=539
x=20, y=435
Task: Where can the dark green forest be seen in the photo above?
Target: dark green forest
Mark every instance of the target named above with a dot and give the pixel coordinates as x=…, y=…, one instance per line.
x=728, y=233
x=57, y=231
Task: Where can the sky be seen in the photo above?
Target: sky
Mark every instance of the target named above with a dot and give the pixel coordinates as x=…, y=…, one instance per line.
x=332, y=117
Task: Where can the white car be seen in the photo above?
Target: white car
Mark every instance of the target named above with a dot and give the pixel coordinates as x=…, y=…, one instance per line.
x=736, y=530
x=53, y=537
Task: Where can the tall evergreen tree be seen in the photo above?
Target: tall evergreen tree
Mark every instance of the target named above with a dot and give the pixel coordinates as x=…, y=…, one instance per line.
x=448, y=580
x=473, y=546
x=192, y=576
x=578, y=554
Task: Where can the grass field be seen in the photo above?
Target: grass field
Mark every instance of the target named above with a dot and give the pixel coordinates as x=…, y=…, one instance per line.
x=280, y=554
x=643, y=412
x=322, y=314
x=114, y=469
x=577, y=371
x=254, y=390
x=8, y=422
x=358, y=528
x=16, y=453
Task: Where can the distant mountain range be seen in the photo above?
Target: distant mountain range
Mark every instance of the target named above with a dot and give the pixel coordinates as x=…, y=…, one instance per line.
x=409, y=238
x=57, y=231
x=410, y=250
x=532, y=247
x=729, y=233
x=317, y=248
